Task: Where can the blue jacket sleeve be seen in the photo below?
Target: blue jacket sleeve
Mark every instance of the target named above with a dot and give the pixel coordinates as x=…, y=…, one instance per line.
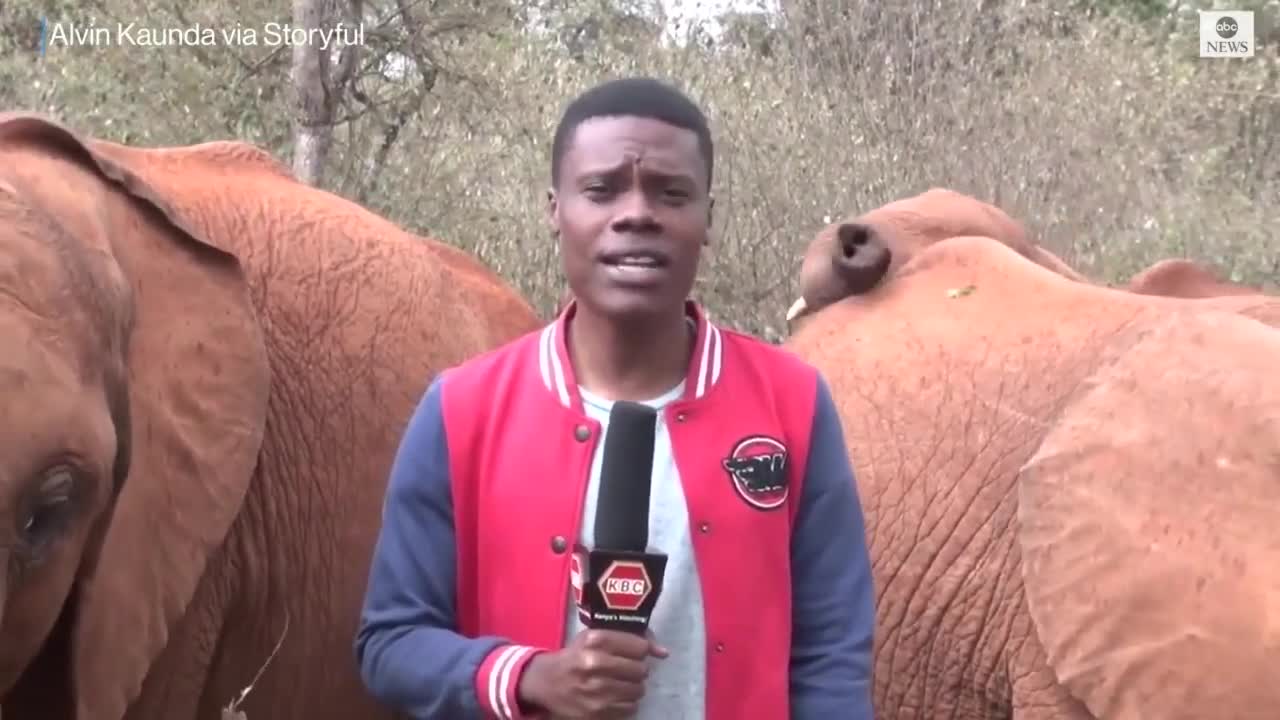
x=833, y=599
x=410, y=656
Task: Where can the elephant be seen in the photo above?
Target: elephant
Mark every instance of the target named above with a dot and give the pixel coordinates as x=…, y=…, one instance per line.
x=1071, y=506
x=206, y=368
x=853, y=255
x=1184, y=278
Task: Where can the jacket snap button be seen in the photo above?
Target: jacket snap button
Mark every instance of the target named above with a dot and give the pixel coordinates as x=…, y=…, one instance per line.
x=558, y=544
x=680, y=416
x=719, y=647
x=705, y=527
x=581, y=433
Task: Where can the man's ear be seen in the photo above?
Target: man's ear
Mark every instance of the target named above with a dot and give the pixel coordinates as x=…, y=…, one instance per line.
x=553, y=221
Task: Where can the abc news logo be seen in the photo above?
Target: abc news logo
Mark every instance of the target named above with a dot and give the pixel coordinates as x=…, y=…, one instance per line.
x=1226, y=34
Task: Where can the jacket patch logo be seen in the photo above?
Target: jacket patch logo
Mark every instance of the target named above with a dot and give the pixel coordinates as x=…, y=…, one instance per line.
x=758, y=468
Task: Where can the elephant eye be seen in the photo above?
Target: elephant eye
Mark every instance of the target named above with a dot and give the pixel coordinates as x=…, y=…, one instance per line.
x=49, y=508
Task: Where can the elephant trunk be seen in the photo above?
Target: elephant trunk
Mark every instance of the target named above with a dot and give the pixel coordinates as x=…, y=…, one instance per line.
x=8, y=673
x=855, y=262
x=860, y=258
x=6, y=569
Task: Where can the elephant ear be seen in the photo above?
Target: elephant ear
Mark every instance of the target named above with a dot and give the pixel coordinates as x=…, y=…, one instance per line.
x=1149, y=526
x=198, y=382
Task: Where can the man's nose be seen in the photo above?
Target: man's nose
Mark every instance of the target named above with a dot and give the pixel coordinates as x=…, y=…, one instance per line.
x=635, y=212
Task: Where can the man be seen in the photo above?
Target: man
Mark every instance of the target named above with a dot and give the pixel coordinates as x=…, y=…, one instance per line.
x=767, y=606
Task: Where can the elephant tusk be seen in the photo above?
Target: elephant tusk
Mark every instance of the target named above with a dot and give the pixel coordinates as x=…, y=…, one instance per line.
x=797, y=307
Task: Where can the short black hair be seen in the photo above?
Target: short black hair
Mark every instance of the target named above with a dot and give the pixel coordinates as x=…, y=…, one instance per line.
x=644, y=97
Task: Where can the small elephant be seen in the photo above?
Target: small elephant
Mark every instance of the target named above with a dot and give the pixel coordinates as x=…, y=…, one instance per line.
x=1071, y=491
x=852, y=256
x=206, y=366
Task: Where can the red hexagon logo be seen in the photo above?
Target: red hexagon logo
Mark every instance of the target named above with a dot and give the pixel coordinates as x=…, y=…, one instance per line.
x=625, y=585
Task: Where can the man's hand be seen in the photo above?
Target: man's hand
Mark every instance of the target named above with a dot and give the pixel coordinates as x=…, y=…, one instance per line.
x=599, y=676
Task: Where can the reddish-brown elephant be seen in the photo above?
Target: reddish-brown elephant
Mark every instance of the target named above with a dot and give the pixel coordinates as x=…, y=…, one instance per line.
x=1180, y=277
x=853, y=255
x=206, y=367
x=1070, y=490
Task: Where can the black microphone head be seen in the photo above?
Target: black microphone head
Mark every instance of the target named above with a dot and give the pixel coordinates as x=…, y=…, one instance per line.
x=622, y=505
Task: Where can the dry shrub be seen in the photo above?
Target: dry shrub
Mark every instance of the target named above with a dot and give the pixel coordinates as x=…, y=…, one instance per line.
x=1115, y=149
x=1110, y=139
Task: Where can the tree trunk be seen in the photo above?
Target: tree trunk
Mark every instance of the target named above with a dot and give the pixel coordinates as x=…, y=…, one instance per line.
x=317, y=92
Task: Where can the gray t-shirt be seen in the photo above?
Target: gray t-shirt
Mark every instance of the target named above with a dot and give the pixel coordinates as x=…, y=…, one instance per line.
x=674, y=690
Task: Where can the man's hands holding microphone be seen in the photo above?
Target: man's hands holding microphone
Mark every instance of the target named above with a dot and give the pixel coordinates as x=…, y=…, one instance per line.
x=599, y=675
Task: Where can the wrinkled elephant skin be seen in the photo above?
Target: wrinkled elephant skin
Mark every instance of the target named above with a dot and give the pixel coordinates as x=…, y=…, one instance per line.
x=1182, y=278
x=1069, y=505
x=205, y=372
x=853, y=256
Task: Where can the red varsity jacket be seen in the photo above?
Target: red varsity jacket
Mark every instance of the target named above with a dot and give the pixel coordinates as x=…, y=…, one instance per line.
x=470, y=577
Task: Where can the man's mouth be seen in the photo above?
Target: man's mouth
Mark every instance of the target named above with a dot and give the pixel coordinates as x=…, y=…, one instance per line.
x=639, y=260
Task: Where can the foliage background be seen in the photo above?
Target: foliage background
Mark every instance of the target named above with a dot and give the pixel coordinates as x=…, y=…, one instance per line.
x=1092, y=121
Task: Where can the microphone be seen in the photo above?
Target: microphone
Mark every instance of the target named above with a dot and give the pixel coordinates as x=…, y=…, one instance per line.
x=616, y=583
